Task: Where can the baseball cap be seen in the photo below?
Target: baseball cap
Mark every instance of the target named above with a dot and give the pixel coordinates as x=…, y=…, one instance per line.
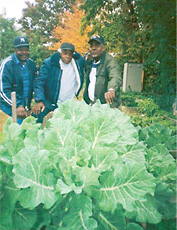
x=67, y=46
x=97, y=37
x=20, y=41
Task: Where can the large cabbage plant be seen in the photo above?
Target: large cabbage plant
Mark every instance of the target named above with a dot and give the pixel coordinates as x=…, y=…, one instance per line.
x=87, y=169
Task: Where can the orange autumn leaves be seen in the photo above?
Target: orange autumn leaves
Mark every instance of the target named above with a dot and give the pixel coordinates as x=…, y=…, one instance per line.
x=69, y=31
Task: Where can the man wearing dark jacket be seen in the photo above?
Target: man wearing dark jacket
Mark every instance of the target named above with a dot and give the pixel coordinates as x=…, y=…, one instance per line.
x=103, y=77
x=60, y=78
x=17, y=73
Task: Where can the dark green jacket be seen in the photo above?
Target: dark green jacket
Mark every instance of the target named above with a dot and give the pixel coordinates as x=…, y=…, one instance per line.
x=108, y=76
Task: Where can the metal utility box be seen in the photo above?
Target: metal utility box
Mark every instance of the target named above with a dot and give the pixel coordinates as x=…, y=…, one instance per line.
x=133, y=77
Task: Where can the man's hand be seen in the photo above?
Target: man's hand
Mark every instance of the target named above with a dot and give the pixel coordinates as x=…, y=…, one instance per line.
x=21, y=112
x=39, y=107
x=109, y=96
x=88, y=56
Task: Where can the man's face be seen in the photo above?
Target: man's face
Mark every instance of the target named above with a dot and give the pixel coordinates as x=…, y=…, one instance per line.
x=66, y=56
x=96, y=49
x=22, y=53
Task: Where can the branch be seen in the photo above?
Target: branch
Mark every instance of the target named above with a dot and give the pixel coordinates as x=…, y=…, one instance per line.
x=171, y=119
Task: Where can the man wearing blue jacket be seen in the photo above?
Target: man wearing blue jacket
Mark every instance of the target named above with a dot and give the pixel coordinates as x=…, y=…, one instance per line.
x=17, y=73
x=60, y=78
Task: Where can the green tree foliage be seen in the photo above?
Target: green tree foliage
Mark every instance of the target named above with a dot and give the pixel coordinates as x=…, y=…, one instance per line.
x=7, y=34
x=139, y=31
x=8, y=31
x=158, y=25
x=43, y=16
x=117, y=22
x=38, y=21
x=38, y=52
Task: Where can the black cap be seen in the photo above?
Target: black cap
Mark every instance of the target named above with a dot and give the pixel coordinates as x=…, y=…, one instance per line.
x=98, y=38
x=67, y=46
x=20, y=41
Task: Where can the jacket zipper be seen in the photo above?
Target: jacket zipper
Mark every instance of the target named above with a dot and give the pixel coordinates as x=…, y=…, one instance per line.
x=58, y=86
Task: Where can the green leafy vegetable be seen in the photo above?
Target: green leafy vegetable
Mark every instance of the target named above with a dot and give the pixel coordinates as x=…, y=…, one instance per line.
x=89, y=168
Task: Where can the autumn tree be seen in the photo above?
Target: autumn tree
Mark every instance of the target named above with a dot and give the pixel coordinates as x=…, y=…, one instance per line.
x=43, y=16
x=38, y=21
x=69, y=30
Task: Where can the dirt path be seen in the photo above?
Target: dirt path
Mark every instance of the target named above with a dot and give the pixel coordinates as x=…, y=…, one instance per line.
x=3, y=118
